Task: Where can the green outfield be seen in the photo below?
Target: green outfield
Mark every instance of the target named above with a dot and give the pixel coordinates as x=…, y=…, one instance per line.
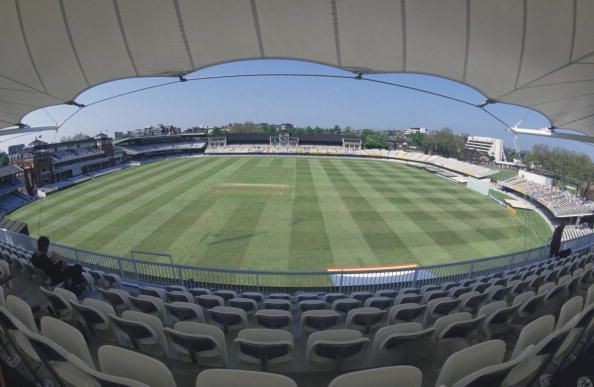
x=280, y=213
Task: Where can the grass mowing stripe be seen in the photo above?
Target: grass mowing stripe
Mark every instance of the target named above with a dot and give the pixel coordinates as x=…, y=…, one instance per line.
x=153, y=200
x=112, y=181
x=180, y=217
x=309, y=245
x=67, y=193
x=232, y=240
x=54, y=210
x=475, y=235
x=78, y=217
x=349, y=247
x=445, y=237
x=380, y=237
x=269, y=247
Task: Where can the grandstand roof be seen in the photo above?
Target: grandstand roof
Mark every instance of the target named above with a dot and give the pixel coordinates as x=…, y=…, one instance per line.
x=532, y=53
x=9, y=170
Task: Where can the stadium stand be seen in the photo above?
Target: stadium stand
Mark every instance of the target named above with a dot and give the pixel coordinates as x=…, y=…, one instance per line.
x=165, y=145
x=560, y=203
x=10, y=185
x=48, y=167
x=441, y=164
x=430, y=334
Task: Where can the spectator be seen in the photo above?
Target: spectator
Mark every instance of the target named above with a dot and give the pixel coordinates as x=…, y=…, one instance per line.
x=55, y=268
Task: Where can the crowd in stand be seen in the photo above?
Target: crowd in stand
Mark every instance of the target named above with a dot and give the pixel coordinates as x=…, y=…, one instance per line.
x=560, y=203
x=439, y=161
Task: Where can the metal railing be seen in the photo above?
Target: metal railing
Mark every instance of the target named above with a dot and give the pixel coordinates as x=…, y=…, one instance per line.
x=137, y=272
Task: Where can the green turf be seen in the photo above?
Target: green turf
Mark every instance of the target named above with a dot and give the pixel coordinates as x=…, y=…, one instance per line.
x=280, y=213
x=504, y=174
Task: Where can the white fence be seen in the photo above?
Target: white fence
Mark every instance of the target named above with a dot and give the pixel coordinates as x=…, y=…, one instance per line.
x=136, y=272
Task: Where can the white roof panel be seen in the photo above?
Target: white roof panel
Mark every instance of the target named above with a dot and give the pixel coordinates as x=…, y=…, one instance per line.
x=538, y=54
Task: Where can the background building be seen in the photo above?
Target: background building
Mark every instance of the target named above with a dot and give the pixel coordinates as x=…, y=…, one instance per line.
x=492, y=147
x=43, y=163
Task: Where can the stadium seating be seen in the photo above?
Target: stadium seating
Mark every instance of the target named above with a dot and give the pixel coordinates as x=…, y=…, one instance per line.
x=510, y=326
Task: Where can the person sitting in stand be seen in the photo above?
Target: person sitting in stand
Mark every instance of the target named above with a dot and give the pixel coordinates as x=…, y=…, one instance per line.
x=58, y=270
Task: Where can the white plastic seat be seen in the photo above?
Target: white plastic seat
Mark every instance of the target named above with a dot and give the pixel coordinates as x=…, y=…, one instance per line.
x=133, y=365
x=274, y=319
x=497, y=318
x=22, y=311
x=440, y=307
x=96, y=378
x=460, y=329
x=497, y=293
x=361, y=296
x=277, y=303
x=445, y=321
x=280, y=296
x=153, y=292
x=318, y=320
x=200, y=292
x=14, y=331
x=117, y=298
x=5, y=271
x=264, y=347
x=226, y=294
x=149, y=304
x=61, y=364
x=228, y=318
x=209, y=301
x=175, y=288
x=200, y=343
x=256, y=296
x=526, y=372
x=344, y=305
x=402, y=343
x=365, y=319
x=533, y=333
x=335, y=346
x=247, y=304
x=381, y=377
x=471, y=301
x=389, y=293
x=493, y=375
x=2, y=297
x=67, y=337
x=143, y=331
x=94, y=314
x=329, y=298
x=469, y=360
x=569, y=310
x=457, y=291
x=306, y=305
x=240, y=378
x=380, y=302
x=60, y=301
x=433, y=294
x=306, y=297
x=408, y=298
x=178, y=296
x=409, y=312
x=185, y=311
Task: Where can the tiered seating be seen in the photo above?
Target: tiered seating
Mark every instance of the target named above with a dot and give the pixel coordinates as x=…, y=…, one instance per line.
x=461, y=167
x=509, y=327
x=560, y=203
x=576, y=231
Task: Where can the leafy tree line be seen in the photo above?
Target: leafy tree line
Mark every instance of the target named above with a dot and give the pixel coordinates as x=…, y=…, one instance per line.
x=570, y=166
x=443, y=142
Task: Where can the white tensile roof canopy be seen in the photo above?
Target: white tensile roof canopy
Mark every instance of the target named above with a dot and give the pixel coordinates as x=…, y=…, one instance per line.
x=534, y=53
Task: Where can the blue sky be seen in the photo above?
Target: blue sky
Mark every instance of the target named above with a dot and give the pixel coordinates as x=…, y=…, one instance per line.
x=303, y=101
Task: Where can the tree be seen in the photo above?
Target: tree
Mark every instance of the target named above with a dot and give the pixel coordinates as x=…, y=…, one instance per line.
x=373, y=139
x=571, y=167
x=74, y=137
x=444, y=142
x=4, y=160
